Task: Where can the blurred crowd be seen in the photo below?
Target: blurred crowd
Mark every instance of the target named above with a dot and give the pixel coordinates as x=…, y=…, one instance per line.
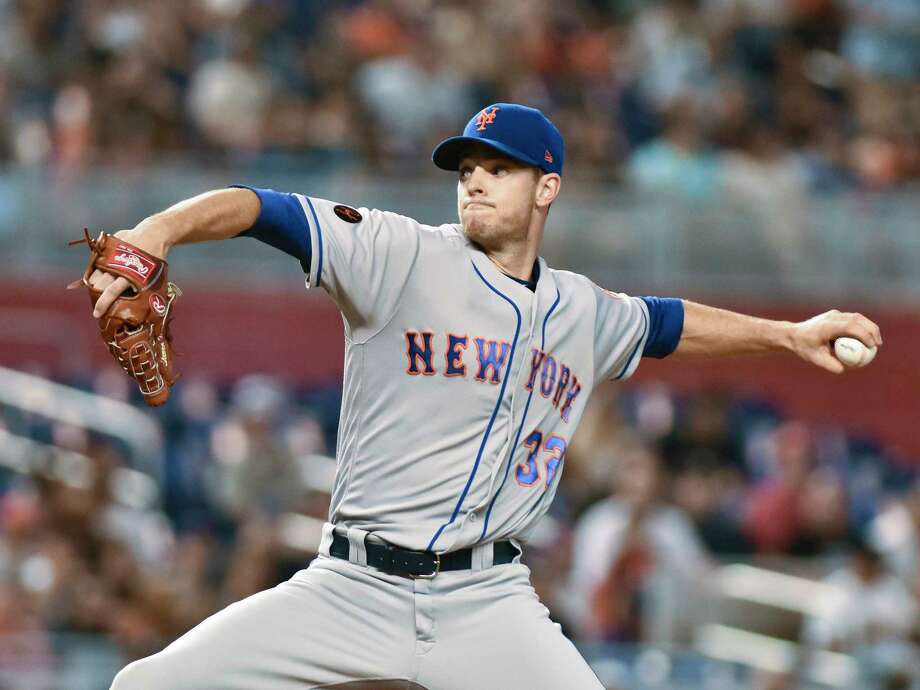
x=757, y=101
x=759, y=98
x=659, y=489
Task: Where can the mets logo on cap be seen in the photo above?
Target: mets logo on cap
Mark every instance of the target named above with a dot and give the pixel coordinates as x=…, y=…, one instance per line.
x=486, y=118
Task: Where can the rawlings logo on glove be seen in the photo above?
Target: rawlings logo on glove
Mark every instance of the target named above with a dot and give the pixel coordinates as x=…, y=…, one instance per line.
x=157, y=304
x=135, y=329
x=132, y=261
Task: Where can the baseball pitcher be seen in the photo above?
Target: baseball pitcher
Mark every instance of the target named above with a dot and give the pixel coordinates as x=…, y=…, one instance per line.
x=468, y=364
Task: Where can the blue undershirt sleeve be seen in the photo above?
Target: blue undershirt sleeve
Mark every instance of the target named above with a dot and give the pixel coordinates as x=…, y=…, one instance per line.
x=282, y=224
x=666, y=323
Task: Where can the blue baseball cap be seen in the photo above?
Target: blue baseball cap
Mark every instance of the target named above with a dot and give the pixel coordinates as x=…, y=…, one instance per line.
x=518, y=131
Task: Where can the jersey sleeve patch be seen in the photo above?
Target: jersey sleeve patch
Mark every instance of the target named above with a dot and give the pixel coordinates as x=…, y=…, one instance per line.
x=281, y=224
x=347, y=213
x=666, y=324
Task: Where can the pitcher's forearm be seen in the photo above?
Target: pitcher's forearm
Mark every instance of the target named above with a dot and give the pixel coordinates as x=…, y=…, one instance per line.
x=215, y=215
x=712, y=332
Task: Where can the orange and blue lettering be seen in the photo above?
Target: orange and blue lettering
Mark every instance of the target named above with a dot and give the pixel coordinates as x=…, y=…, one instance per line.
x=555, y=446
x=564, y=374
x=535, y=361
x=492, y=356
x=548, y=376
x=416, y=352
x=456, y=344
x=527, y=473
x=569, y=399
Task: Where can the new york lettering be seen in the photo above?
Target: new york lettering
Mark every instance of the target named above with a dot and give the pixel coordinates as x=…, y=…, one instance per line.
x=487, y=360
x=556, y=381
x=489, y=364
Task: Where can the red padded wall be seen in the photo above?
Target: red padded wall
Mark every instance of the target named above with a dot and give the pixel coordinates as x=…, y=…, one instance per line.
x=224, y=331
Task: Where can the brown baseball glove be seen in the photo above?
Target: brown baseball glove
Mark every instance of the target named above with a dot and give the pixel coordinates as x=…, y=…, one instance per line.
x=135, y=328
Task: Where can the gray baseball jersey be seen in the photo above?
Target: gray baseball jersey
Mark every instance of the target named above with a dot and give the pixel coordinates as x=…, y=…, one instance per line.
x=462, y=390
x=462, y=387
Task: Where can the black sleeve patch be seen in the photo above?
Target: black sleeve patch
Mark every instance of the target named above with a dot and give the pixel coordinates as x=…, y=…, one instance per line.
x=348, y=214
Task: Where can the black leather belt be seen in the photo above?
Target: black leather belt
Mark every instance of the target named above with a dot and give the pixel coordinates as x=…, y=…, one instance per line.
x=422, y=564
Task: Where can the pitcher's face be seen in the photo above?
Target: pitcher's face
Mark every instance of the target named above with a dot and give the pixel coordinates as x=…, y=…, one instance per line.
x=496, y=197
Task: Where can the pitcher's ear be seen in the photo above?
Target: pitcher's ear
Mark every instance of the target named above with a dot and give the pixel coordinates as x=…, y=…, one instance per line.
x=548, y=188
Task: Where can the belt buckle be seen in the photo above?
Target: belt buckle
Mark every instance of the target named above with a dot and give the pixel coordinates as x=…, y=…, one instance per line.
x=437, y=569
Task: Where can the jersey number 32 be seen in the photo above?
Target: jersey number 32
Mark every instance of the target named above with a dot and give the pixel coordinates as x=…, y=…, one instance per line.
x=528, y=472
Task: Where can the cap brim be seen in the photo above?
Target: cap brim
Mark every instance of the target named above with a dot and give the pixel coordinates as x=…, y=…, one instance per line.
x=448, y=154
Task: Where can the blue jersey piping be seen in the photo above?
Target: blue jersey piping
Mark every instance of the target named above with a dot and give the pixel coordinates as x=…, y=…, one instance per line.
x=501, y=395
x=319, y=236
x=517, y=436
x=635, y=351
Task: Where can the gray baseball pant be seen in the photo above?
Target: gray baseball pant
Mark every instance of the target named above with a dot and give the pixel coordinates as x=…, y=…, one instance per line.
x=339, y=624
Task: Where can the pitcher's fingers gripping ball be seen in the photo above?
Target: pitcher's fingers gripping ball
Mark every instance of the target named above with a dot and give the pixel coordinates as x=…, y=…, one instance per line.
x=135, y=329
x=853, y=353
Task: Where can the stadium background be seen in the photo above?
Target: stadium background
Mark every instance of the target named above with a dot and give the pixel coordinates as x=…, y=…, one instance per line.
x=750, y=523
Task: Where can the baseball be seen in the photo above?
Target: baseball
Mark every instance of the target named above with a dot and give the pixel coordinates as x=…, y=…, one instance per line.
x=853, y=353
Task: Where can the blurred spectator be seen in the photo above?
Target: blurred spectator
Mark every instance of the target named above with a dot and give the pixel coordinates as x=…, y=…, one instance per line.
x=714, y=499
x=706, y=464
x=826, y=161
x=704, y=429
x=25, y=648
x=589, y=460
x=800, y=509
x=189, y=467
x=679, y=162
x=772, y=183
x=671, y=45
x=895, y=532
x=256, y=474
x=882, y=38
x=633, y=552
x=824, y=514
x=411, y=99
x=236, y=84
x=878, y=628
